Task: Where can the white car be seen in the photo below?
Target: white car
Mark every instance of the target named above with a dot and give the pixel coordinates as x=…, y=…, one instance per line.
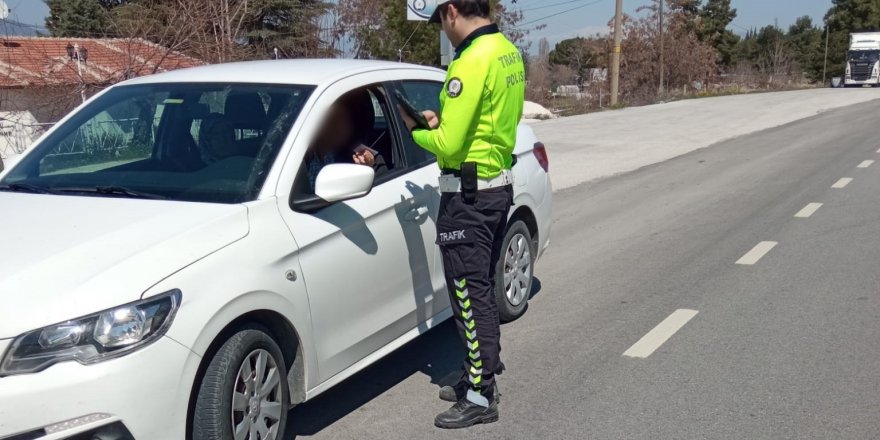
x=163, y=278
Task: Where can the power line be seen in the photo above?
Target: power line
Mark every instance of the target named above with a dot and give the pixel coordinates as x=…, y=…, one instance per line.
x=559, y=13
x=740, y=27
x=550, y=5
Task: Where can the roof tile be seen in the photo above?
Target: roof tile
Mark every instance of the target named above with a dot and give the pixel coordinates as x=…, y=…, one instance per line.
x=38, y=61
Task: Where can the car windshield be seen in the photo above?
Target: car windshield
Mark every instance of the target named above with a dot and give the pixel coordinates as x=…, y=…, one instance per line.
x=870, y=56
x=187, y=142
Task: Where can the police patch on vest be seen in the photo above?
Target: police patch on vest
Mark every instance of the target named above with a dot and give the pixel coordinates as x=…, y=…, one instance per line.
x=455, y=236
x=453, y=87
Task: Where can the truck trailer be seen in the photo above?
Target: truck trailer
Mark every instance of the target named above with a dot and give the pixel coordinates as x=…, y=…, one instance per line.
x=863, y=60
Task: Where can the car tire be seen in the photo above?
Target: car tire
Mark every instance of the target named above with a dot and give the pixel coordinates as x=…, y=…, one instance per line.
x=261, y=398
x=514, y=271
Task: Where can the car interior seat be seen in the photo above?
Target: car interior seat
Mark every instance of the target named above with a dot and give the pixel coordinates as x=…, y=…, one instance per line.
x=247, y=114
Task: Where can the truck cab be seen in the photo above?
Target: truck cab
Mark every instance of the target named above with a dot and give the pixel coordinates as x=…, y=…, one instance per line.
x=863, y=60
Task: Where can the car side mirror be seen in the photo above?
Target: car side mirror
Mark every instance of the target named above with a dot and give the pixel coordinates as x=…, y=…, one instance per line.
x=336, y=183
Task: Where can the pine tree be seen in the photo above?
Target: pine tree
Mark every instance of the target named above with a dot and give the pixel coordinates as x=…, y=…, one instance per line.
x=715, y=16
x=78, y=18
x=807, y=43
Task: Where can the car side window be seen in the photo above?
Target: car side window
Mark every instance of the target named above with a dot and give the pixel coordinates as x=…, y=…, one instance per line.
x=355, y=129
x=424, y=95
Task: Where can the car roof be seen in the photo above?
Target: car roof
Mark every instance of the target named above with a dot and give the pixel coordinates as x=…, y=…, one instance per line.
x=298, y=71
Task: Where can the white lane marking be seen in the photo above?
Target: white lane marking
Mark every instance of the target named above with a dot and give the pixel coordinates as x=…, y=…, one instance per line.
x=866, y=163
x=660, y=334
x=878, y=151
x=842, y=183
x=753, y=256
x=808, y=210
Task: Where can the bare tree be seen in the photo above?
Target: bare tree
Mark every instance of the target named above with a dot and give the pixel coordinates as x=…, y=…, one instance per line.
x=688, y=60
x=775, y=61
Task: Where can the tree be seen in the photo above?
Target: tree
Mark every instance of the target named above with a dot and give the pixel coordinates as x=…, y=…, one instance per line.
x=379, y=29
x=773, y=57
x=580, y=54
x=690, y=8
x=212, y=30
x=543, y=49
x=688, y=59
x=806, y=44
x=78, y=18
x=714, y=18
x=292, y=26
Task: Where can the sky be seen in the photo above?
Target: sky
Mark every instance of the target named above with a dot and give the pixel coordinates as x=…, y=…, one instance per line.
x=591, y=16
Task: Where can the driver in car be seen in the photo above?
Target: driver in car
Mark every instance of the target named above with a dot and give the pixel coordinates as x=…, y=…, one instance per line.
x=338, y=142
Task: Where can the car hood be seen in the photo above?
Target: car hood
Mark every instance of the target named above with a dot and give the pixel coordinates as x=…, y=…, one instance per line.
x=62, y=257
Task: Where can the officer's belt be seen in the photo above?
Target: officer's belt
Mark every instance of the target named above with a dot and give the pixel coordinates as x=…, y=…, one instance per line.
x=450, y=183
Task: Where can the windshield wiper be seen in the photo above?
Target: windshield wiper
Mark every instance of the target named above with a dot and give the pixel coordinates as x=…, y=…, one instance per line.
x=113, y=190
x=123, y=191
x=26, y=187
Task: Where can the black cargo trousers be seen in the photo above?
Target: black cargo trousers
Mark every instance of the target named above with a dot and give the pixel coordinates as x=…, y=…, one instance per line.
x=470, y=236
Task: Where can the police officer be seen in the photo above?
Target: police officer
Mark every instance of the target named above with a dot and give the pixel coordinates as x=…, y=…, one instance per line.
x=473, y=138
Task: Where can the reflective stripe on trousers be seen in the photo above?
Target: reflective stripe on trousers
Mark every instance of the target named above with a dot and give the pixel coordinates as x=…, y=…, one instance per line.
x=470, y=236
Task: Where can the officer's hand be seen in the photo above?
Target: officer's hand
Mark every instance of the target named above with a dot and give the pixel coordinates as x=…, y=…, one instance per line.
x=433, y=119
x=410, y=122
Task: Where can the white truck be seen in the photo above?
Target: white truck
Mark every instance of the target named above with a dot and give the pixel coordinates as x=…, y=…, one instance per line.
x=863, y=60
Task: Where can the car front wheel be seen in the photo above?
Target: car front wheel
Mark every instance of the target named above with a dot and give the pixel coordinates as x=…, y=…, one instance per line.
x=513, y=272
x=244, y=394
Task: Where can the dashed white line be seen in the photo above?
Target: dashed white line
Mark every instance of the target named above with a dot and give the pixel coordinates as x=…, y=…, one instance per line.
x=808, y=210
x=842, y=183
x=660, y=334
x=753, y=256
x=866, y=163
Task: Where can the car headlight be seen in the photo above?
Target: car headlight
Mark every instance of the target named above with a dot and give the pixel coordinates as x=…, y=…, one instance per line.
x=94, y=338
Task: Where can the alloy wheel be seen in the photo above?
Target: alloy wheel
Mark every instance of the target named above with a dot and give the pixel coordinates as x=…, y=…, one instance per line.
x=517, y=270
x=256, y=399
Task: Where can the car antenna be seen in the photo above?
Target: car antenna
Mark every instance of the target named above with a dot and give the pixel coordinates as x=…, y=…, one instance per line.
x=400, y=51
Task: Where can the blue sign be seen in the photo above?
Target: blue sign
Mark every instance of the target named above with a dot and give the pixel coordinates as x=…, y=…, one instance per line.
x=420, y=10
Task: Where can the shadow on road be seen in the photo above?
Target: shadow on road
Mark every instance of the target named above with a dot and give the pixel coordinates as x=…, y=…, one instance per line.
x=437, y=354
x=536, y=288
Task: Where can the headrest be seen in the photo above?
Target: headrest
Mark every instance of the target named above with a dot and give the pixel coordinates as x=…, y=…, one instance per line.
x=363, y=114
x=245, y=110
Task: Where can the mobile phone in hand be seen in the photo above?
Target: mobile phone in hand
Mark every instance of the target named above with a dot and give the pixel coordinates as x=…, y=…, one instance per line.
x=361, y=148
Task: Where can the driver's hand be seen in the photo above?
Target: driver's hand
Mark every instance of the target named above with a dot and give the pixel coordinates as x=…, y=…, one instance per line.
x=410, y=123
x=433, y=119
x=364, y=158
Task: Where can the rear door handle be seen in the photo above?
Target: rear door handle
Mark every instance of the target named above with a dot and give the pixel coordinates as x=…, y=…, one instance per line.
x=416, y=214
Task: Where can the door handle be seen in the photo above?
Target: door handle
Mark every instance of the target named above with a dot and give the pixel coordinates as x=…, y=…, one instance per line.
x=416, y=214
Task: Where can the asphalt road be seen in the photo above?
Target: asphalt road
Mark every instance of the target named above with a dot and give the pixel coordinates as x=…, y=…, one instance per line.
x=783, y=348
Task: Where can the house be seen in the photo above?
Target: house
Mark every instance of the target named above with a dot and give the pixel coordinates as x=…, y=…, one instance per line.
x=42, y=79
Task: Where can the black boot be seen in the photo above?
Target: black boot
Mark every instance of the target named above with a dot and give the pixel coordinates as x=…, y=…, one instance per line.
x=454, y=393
x=465, y=413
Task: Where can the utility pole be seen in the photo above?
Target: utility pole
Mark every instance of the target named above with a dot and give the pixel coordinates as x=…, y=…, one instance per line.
x=825, y=67
x=662, y=65
x=615, y=56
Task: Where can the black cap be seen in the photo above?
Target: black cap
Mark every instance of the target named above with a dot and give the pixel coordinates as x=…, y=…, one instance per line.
x=435, y=17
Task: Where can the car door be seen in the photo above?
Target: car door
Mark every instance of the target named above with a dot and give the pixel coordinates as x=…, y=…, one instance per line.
x=364, y=261
x=425, y=94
